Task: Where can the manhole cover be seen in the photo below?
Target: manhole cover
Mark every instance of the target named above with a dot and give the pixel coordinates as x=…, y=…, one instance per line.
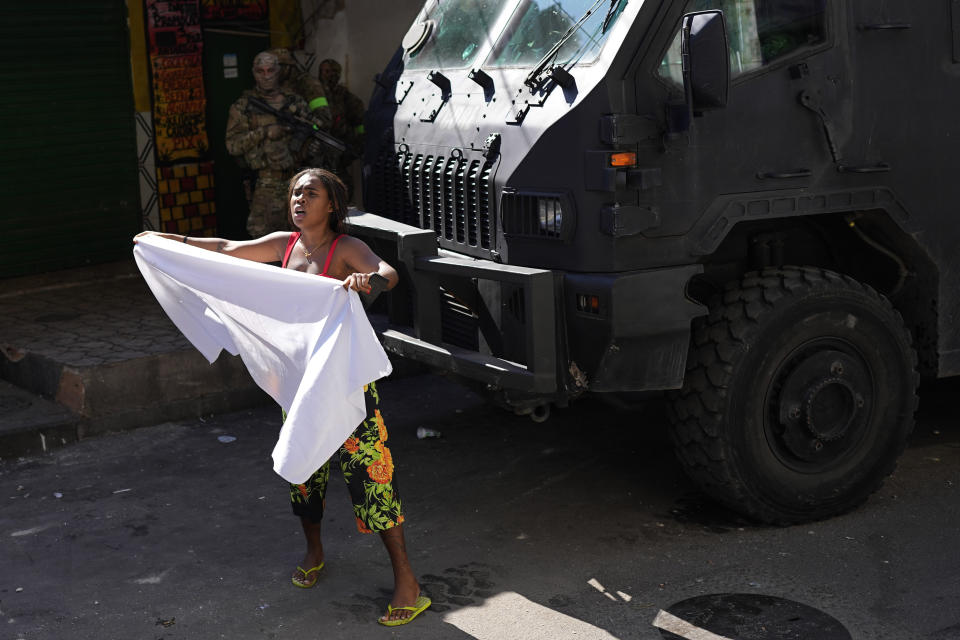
x=744, y=616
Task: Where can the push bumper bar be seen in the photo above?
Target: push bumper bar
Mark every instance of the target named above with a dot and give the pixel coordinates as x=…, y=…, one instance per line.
x=414, y=329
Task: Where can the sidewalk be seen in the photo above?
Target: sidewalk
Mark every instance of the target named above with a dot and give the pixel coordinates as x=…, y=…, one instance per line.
x=89, y=350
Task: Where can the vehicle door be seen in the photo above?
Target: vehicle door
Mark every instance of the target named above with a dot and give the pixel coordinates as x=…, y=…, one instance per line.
x=787, y=118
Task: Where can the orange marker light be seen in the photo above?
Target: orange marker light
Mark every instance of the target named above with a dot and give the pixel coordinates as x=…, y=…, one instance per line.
x=623, y=159
x=588, y=303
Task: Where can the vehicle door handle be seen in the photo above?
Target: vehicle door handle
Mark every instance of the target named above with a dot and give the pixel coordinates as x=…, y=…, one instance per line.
x=796, y=173
x=880, y=167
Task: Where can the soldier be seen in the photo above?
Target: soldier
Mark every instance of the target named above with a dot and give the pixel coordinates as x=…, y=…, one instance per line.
x=347, y=114
x=265, y=146
x=295, y=80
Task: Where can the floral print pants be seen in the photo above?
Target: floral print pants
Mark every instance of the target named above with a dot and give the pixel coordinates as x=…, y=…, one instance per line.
x=367, y=467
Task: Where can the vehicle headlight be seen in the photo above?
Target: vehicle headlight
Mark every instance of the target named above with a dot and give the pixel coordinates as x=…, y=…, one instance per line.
x=537, y=215
x=550, y=214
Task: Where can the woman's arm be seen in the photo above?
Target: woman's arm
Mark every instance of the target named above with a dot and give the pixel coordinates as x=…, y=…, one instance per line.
x=268, y=248
x=362, y=262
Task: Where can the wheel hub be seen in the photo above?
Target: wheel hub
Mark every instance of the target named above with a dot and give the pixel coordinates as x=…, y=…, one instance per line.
x=823, y=401
x=830, y=407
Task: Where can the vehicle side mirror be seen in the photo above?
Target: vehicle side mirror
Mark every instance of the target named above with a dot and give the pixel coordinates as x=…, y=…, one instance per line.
x=706, y=60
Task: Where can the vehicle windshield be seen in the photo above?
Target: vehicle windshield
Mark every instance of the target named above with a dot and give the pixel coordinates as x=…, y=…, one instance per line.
x=540, y=24
x=460, y=27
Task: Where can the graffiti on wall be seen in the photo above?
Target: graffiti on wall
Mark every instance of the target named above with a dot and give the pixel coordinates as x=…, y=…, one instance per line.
x=179, y=103
x=213, y=10
x=174, y=27
x=179, y=107
x=185, y=185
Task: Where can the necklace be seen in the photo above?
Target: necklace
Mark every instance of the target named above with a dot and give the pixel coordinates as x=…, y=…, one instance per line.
x=307, y=254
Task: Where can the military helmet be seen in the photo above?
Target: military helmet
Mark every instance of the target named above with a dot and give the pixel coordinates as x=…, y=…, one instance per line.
x=284, y=57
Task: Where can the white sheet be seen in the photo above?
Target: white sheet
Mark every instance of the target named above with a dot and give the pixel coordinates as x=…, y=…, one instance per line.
x=304, y=339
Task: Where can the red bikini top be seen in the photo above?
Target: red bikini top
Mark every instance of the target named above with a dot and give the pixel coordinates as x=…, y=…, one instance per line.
x=293, y=240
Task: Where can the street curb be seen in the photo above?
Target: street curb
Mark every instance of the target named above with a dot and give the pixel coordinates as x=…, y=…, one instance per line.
x=79, y=402
x=30, y=424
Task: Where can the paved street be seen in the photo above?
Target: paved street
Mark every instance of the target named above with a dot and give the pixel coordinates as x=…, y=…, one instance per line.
x=581, y=527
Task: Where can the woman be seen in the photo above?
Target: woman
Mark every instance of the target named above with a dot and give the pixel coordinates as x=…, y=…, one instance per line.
x=317, y=200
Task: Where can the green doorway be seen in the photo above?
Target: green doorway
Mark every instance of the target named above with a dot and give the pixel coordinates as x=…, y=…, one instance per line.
x=227, y=62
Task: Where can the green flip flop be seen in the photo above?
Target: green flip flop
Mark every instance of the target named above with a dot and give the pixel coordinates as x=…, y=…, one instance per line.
x=306, y=576
x=422, y=603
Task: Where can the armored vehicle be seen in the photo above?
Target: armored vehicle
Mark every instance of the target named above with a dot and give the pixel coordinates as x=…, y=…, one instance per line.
x=740, y=203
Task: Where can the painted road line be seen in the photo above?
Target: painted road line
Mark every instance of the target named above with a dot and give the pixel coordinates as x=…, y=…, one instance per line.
x=33, y=530
x=682, y=628
x=510, y=615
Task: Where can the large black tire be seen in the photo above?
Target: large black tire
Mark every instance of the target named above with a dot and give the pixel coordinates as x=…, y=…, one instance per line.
x=799, y=395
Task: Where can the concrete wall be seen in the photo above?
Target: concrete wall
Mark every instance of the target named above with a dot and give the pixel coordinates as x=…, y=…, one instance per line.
x=361, y=34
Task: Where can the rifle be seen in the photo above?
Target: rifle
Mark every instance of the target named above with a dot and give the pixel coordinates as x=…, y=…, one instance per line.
x=303, y=128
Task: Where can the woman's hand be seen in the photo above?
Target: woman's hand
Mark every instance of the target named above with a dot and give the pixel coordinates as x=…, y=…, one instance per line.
x=268, y=248
x=359, y=282
x=153, y=233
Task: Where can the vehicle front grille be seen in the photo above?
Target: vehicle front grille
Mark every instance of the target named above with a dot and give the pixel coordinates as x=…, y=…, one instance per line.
x=452, y=196
x=459, y=324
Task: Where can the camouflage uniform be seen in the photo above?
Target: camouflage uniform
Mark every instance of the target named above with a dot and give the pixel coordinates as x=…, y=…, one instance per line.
x=273, y=160
x=347, y=112
x=294, y=80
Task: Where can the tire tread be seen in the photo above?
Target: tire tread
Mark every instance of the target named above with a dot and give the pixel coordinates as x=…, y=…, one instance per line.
x=718, y=341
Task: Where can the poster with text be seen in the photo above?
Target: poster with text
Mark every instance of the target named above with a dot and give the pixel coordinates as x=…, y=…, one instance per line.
x=179, y=107
x=179, y=103
x=246, y=10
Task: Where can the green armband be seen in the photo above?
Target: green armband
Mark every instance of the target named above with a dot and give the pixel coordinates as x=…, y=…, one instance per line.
x=316, y=103
x=359, y=129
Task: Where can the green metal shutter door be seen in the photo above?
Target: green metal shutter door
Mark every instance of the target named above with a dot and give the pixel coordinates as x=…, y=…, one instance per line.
x=69, y=191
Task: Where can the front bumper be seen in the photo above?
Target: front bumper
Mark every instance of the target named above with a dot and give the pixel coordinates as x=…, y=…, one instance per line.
x=530, y=337
x=513, y=308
